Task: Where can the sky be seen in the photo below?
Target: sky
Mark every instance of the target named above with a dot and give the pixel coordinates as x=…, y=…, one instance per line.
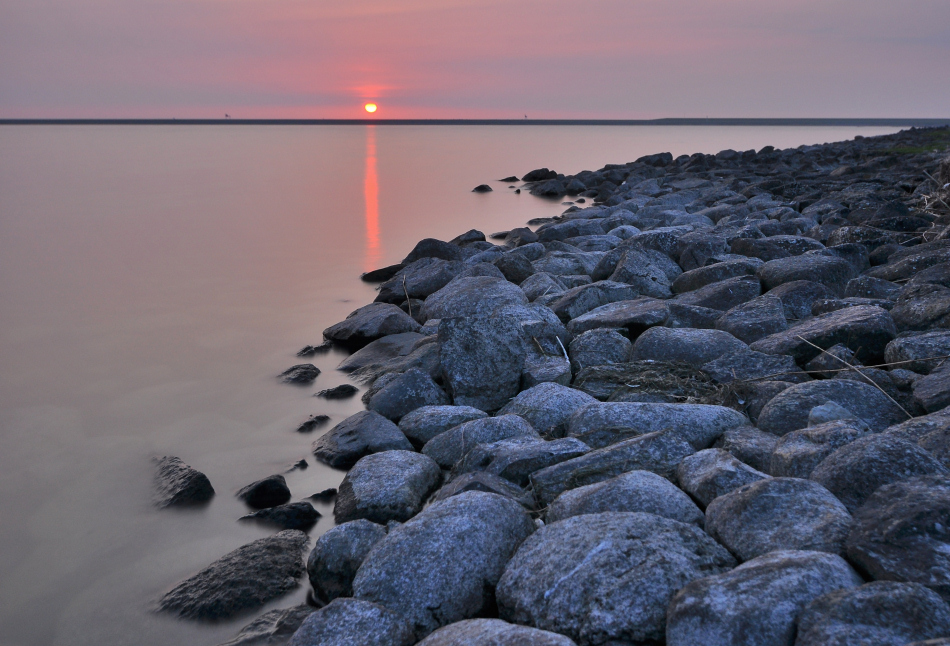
x=614, y=59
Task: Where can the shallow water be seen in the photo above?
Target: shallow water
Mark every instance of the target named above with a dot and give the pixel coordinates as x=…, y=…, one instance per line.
x=153, y=280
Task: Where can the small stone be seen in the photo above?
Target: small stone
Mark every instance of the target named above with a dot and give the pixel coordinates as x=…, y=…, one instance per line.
x=269, y=492
x=711, y=473
x=343, y=391
x=301, y=375
x=313, y=423
x=482, y=188
x=295, y=515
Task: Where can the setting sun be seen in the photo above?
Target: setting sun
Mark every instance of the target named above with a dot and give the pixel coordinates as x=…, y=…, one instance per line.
x=370, y=107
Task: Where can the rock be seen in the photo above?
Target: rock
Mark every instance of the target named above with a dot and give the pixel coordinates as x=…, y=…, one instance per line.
x=773, y=247
x=539, y=174
x=302, y=374
x=755, y=319
x=542, y=284
x=482, y=188
x=711, y=473
x=569, y=262
x=381, y=352
x=337, y=555
x=313, y=423
x=419, y=279
x=493, y=632
x=241, y=580
x=938, y=445
x=386, y=486
x=636, y=315
x=832, y=361
x=745, y=364
x=703, y=318
x=752, y=396
x=601, y=424
x=799, y=295
x=515, y=267
x=788, y=411
x=310, y=350
x=658, y=452
x=798, y=453
x=831, y=271
x=520, y=236
x=358, y=435
x=517, y=458
x=695, y=347
x=274, y=628
x=597, y=348
x=295, y=515
x=269, y=492
x=756, y=604
x=369, y=323
x=343, y=391
x=932, y=392
x=432, y=248
x=916, y=352
x=868, y=287
x=177, y=484
x=407, y=392
x=701, y=276
x=325, y=495
x=647, y=271
x=605, y=578
x=469, y=237
x=425, y=422
x=483, y=481
x=352, y=622
x=900, y=533
x=921, y=307
x=908, y=262
x=382, y=274
x=547, y=407
x=723, y=295
x=882, y=613
x=693, y=250
x=472, y=296
x=448, y=447
x=442, y=566
x=749, y=445
x=636, y=491
x=580, y=300
x=482, y=360
x=854, y=471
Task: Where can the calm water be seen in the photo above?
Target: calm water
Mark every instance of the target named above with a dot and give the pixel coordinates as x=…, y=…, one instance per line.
x=153, y=280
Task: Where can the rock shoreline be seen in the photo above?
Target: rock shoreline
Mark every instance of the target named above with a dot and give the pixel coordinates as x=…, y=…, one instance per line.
x=709, y=408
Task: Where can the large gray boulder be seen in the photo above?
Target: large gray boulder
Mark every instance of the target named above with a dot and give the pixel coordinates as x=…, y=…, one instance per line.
x=831, y=271
x=916, y=352
x=756, y=604
x=598, y=348
x=604, y=423
x=883, y=613
x=658, y=452
x=695, y=347
x=369, y=323
x=241, y=580
x=482, y=360
x=646, y=271
x=442, y=566
x=386, y=486
x=584, y=298
x=788, y=411
x=636, y=316
x=749, y=445
x=637, y=491
x=358, y=435
x=449, y=447
x=380, y=352
x=798, y=453
x=353, y=622
x=711, y=473
x=405, y=393
x=493, y=632
x=900, y=533
x=424, y=423
x=778, y=514
x=755, y=319
x=746, y=365
x=547, y=407
x=517, y=458
x=472, y=296
x=177, y=484
x=856, y=470
x=606, y=578
x=337, y=555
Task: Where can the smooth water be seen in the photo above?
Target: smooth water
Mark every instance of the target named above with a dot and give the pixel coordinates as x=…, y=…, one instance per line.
x=154, y=280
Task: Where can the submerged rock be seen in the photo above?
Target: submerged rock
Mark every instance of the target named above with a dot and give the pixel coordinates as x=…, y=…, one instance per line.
x=302, y=374
x=295, y=515
x=177, y=484
x=274, y=628
x=269, y=492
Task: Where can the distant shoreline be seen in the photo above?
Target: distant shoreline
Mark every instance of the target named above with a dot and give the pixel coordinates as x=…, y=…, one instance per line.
x=920, y=123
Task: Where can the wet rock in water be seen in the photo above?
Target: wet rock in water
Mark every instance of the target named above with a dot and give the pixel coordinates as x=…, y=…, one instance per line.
x=778, y=514
x=695, y=347
x=405, y=393
x=310, y=350
x=338, y=554
x=269, y=492
x=658, y=452
x=244, y=579
x=637, y=491
x=386, y=486
x=380, y=352
x=547, y=407
x=475, y=296
x=324, y=496
x=358, y=435
x=274, y=628
x=788, y=411
x=482, y=360
x=711, y=473
x=755, y=319
x=517, y=458
x=343, y=391
x=746, y=364
x=177, y=484
x=749, y=445
x=598, y=348
x=756, y=604
x=425, y=422
x=369, y=323
x=857, y=469
x=419, y=280
x=606, y=577
x=353, y=622
x=921, y=353
x=539, y=174
x=448, y=447
x=382, y=274
x=313, y=423
x=302, y=374
x=300, y=464
x=482, y=188
x=487, y=482
x=493, y=632
x=883, y=613
x=901, y=533
x=798, y=453
x=295, y=515
x=442, y=566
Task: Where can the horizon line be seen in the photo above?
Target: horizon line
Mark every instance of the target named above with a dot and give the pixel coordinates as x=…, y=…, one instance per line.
x=686, y=121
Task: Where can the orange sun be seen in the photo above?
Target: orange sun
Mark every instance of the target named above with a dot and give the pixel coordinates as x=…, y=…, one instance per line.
x=370, y=107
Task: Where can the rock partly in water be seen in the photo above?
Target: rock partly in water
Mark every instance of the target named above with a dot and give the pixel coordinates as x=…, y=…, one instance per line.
x=343, y=391
x=358, y=435
x=369, y=323
x=268, y=492
x=274, y=628
x=294, y=515
x=177, y=484
x=302, y=374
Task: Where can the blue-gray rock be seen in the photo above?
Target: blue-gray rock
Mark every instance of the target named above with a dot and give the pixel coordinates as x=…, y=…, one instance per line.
x=425, y=422
x=386, y=486
x=711, y=473
x=701, y=318
x=515, y=267
x=381, y=351
x=831, y=271
x=932, y=392
x=268, y=492
x=177, y=484
x=407, y=392
x=571, y=262
x=598, y=348
x=749, y=445
x=695, y=347
x=636, y=316
x=419, y=279
x=472, y=296
x=448, y=448
x=493, y=632
x=917, y=351
x=548, y=407
x=701, y=276
x=487, y=482
x=517, y=458
x=756, y=604
x=353, y=622
x=274, y=628
x=606, y=578
x=338, y=554
x=580, y=300
x=302, y=374
x=724, y=294
x=369, y=323
x=647, y=271
x=294, y=515
x=358, y=435
x=796, y=454
x=442, y=566
x=755, y=319
x=241, y=580
x=542, y=284
x=746, y=364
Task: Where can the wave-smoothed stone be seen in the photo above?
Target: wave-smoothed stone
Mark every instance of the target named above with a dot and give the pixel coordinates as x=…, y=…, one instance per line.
x=547, y=407
x=493, y=632
x=711, y=473
x=353, y=622
x=177, y=484
x=358, y=435
x=338, y=554
x=386, y=486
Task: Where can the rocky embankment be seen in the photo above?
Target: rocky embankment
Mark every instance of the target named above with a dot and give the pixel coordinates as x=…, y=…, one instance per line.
x=710, y=408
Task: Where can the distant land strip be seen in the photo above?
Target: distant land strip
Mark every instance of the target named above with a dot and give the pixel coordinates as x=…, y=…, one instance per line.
x=919, y=123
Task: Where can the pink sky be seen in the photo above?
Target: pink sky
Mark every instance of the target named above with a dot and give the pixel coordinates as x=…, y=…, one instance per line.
x=475, y=58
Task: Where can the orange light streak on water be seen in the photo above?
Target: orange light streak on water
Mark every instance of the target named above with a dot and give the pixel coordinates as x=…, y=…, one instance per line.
x=371, y=197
